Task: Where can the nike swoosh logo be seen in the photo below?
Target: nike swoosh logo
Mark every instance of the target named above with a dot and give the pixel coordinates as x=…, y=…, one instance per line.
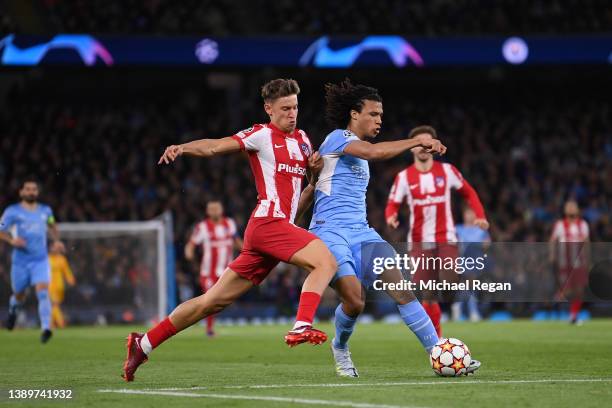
x=278, y=146
x=413, y=186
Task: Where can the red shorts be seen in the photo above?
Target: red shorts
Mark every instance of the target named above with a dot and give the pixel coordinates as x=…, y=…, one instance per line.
x=430, y=270
x=267, y=241
x=573, y=278
x=206, y=282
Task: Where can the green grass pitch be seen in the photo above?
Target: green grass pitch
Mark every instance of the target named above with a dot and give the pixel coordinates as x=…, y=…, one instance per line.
x=525, y=364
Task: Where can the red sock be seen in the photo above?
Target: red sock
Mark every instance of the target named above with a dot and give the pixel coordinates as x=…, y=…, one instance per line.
x=210, y=321
x=575, y=308
x=434, y=313
x=309, y=301
x=160, y=333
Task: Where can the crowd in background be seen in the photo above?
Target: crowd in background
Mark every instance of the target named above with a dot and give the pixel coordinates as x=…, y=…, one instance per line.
x=423, y=18
x=525, y=150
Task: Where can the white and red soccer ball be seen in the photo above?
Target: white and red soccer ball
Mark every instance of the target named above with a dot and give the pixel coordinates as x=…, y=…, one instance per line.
x=450, y=357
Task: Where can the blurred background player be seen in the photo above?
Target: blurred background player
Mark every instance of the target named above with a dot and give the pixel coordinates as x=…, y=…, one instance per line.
x=426, y=187
x=279, y=154
x=24, y=226
x=340, y=214
x=473, y=241
x=217, y=237
x=60, y=273
x=569, y=253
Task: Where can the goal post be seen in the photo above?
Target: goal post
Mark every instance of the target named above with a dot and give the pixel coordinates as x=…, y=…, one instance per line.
x=122, y=268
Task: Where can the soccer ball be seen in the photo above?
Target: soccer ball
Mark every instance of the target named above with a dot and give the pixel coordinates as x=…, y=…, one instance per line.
x=450, y=357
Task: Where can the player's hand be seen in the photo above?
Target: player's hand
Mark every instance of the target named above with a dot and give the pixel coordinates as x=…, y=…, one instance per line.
x=481, y=223
x=315, y=163
x=18, y=242
x=170, y=154
x=392, y=221
x=430, y=144
x=59, y=246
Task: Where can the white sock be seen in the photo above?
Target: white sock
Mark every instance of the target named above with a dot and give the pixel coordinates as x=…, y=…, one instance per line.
x=145, y=344
x=300, y=323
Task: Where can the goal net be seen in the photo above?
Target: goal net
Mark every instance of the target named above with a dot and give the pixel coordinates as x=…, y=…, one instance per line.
x=120, y=269
x=123, y=271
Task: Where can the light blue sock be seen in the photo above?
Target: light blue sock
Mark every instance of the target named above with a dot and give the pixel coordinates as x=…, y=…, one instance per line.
x=44, y=308
x=344, y=328
x=14, y=305
x=419, y=322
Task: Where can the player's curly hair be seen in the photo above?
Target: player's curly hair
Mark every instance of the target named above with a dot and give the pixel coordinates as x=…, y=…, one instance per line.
x=344, y=97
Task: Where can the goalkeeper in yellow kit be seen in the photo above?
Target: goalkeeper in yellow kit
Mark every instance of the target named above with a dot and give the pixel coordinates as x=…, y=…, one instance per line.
x=60, y=272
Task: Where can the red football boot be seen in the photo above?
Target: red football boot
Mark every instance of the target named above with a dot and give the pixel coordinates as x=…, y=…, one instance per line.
x=135, y=356
x=305, y=334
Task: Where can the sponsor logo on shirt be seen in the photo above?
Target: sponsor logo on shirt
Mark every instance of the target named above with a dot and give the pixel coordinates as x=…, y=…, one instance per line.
x=429, y=200
x=283, y=167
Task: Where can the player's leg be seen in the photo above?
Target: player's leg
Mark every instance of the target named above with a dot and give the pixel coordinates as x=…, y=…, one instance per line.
x=352, y=297
x=57, y=316
x=316, y=259
x=412, y=312
x=207, y=283
x=20, y=280
x=44, y=310
x=425, y=273
x=41, y=275
x=229, y=288
x=352, y=302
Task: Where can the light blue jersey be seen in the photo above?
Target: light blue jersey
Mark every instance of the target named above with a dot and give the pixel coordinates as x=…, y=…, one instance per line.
x=31, y=226
x=31, y=263
x=339, y=217
x=340, y=196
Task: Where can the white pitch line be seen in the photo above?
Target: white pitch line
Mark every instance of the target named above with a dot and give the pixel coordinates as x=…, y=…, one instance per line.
x=257, y=397
x=392, y=384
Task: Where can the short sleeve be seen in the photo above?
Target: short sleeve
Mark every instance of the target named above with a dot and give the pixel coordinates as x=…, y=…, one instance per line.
x=253, y=138
x=199, y=234
x=399, y=190
x=336, y=142
x=7, y=220
x=306, y=140
x=455, y=178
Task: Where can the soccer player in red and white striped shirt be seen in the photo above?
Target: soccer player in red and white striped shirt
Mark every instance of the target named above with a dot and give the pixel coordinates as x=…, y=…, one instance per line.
x=280, y=156
x=569, y=252
x=426, y=187
x=217, y=237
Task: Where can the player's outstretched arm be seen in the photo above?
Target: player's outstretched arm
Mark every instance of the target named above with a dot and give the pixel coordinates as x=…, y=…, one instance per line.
x=200, y=148
x=388, y=150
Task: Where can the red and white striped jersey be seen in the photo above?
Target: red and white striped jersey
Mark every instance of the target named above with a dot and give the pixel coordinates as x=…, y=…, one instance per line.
x=279, y=161
x=428, y=195
x=570, y=235
x=217, y=242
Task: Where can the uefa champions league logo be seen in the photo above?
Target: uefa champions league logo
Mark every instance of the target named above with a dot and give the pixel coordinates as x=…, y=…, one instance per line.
x=207, y=51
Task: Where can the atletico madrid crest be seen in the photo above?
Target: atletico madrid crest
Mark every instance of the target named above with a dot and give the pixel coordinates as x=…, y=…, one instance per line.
x=306, y=149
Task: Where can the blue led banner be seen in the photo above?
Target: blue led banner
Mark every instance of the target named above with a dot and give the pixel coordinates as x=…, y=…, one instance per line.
x=322, y=52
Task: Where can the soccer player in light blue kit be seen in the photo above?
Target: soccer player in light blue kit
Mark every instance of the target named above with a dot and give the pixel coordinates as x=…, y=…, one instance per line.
x=473, y=241
x=339, y=215
x=24, y=226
